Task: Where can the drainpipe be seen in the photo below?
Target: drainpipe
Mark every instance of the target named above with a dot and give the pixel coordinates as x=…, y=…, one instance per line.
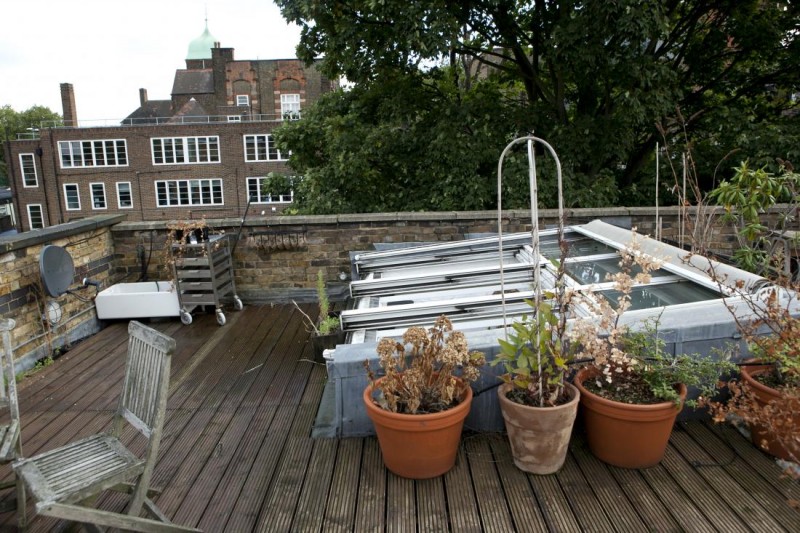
x=12, y=181
x=56, y=213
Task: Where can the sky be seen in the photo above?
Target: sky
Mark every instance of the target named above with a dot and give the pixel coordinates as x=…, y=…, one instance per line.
x=109, y=49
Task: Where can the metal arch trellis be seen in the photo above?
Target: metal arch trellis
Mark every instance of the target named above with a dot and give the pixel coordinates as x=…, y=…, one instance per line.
x=532, y=182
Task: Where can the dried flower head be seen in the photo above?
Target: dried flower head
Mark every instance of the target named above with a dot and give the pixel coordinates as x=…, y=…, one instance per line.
x=420, y=371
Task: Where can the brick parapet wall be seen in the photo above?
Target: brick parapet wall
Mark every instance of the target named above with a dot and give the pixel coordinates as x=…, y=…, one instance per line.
x=278, y=257
x=22, y=297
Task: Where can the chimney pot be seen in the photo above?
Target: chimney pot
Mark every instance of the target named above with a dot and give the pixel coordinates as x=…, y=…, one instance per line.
x=142, y=97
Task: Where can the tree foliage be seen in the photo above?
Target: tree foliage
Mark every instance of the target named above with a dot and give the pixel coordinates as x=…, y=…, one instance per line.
x=402, y=144
x=16, y=122
x=595, y=77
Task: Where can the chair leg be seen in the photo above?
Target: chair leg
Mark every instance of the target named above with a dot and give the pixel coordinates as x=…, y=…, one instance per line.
x=22, y=518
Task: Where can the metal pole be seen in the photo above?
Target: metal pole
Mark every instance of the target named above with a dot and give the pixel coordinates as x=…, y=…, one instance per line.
x=658, y=232
x=534, y=212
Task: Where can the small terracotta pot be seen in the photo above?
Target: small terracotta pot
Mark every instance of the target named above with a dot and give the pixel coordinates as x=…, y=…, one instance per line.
x=419, y=446
x=760, y=435
x=626, y=435
x=539, y=436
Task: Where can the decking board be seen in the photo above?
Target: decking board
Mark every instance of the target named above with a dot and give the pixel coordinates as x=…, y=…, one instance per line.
x=237, y=453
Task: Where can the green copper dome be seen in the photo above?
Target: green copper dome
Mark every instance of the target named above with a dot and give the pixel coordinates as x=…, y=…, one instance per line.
x=200, y=48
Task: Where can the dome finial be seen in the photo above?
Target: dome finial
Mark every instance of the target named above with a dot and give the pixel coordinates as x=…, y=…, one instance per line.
x=200, y=48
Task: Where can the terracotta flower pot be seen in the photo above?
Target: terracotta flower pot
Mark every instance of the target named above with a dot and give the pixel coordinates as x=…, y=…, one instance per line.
x=626, y=435
x=419, y=446
x=763, y=395
x=539, y=436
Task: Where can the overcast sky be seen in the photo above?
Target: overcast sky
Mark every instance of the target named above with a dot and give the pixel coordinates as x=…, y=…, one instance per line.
x=108, y=49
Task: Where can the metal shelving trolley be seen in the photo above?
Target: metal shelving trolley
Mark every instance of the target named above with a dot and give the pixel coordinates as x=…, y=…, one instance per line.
x=204, y=275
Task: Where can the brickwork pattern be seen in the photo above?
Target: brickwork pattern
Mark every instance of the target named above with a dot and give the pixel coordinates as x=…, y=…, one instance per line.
x=22, y=295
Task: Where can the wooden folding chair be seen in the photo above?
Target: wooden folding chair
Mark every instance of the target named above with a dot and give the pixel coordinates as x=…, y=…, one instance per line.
x=66, y=481
x=10, y=434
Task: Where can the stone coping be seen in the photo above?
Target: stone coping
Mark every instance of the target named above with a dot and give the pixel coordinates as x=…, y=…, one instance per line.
x=356, y=218
x=18, y=241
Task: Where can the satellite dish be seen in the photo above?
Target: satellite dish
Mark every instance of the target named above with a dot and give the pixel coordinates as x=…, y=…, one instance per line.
x=57, y=270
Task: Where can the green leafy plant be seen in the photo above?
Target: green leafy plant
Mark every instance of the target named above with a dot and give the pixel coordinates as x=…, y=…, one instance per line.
x=420, y=371
x=325, y=323
x=746, y=199
x=536, y=353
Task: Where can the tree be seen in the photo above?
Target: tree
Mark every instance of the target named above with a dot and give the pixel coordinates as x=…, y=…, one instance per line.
x=597, y=76
x=404, y=143
x=13, y=122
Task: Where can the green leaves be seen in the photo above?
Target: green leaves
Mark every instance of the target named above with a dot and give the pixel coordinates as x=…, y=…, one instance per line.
x=534, y=351
x=593, y=78
x=747, y=197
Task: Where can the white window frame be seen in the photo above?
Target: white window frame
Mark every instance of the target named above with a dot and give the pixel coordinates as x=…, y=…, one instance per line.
x=234, y=118
x=261, y=198
x=242, y=100
x=77, y=196
x=290, y=106
x=26, y=173
x=119, y=196
x=93, y=153
x=183, y=193
x=200, y=150
x=261, y=151
x=30, y=216
x=93, y=197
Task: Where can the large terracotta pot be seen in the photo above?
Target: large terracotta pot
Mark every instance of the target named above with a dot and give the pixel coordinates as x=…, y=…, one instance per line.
x=419, y=446
x=539, y=436
x=626, y=435
x=763, y=395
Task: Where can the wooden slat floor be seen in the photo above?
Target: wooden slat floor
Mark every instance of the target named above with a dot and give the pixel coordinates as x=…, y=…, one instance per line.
x=237, y=454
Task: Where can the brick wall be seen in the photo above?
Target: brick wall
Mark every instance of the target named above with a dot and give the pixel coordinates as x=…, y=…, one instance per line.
x=278, y=257
x=22, y=295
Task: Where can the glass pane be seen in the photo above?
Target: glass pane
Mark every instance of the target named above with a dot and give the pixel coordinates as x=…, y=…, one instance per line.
x=679, y=292
x=577, y=246
x=587, y=272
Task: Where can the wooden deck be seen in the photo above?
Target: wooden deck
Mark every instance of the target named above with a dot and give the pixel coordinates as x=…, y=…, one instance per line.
x=237, y=454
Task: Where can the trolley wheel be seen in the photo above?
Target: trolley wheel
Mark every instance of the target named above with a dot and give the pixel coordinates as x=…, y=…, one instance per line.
x=237, y=303
x=220, y=317
x=186, y=318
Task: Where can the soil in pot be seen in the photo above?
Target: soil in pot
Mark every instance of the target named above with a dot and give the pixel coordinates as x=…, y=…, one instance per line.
x=419, y=446
x=539, y=436
x=760, y=435
x=626, y=435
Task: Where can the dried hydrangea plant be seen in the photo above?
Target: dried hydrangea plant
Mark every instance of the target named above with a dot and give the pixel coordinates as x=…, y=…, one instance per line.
x=420, y=372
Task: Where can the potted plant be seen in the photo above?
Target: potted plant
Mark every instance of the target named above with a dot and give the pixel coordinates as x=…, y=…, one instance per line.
x=326, y=330
x=419, y=405
x=632, y=390
x=767, y=395
x=538, y=403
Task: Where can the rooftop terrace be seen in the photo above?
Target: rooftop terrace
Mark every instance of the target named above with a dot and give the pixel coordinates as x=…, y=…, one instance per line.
x=238, y=455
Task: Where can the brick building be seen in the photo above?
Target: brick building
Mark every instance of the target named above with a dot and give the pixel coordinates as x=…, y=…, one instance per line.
x=204, y=152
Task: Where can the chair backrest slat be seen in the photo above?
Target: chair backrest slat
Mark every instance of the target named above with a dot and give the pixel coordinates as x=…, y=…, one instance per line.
x=146, y=378
x=8, y=396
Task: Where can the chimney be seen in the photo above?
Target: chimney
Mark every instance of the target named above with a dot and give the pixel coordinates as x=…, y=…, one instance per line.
x=142, y=97
x=68, y=105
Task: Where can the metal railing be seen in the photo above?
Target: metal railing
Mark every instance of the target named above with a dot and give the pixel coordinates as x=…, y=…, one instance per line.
x=33, y=133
